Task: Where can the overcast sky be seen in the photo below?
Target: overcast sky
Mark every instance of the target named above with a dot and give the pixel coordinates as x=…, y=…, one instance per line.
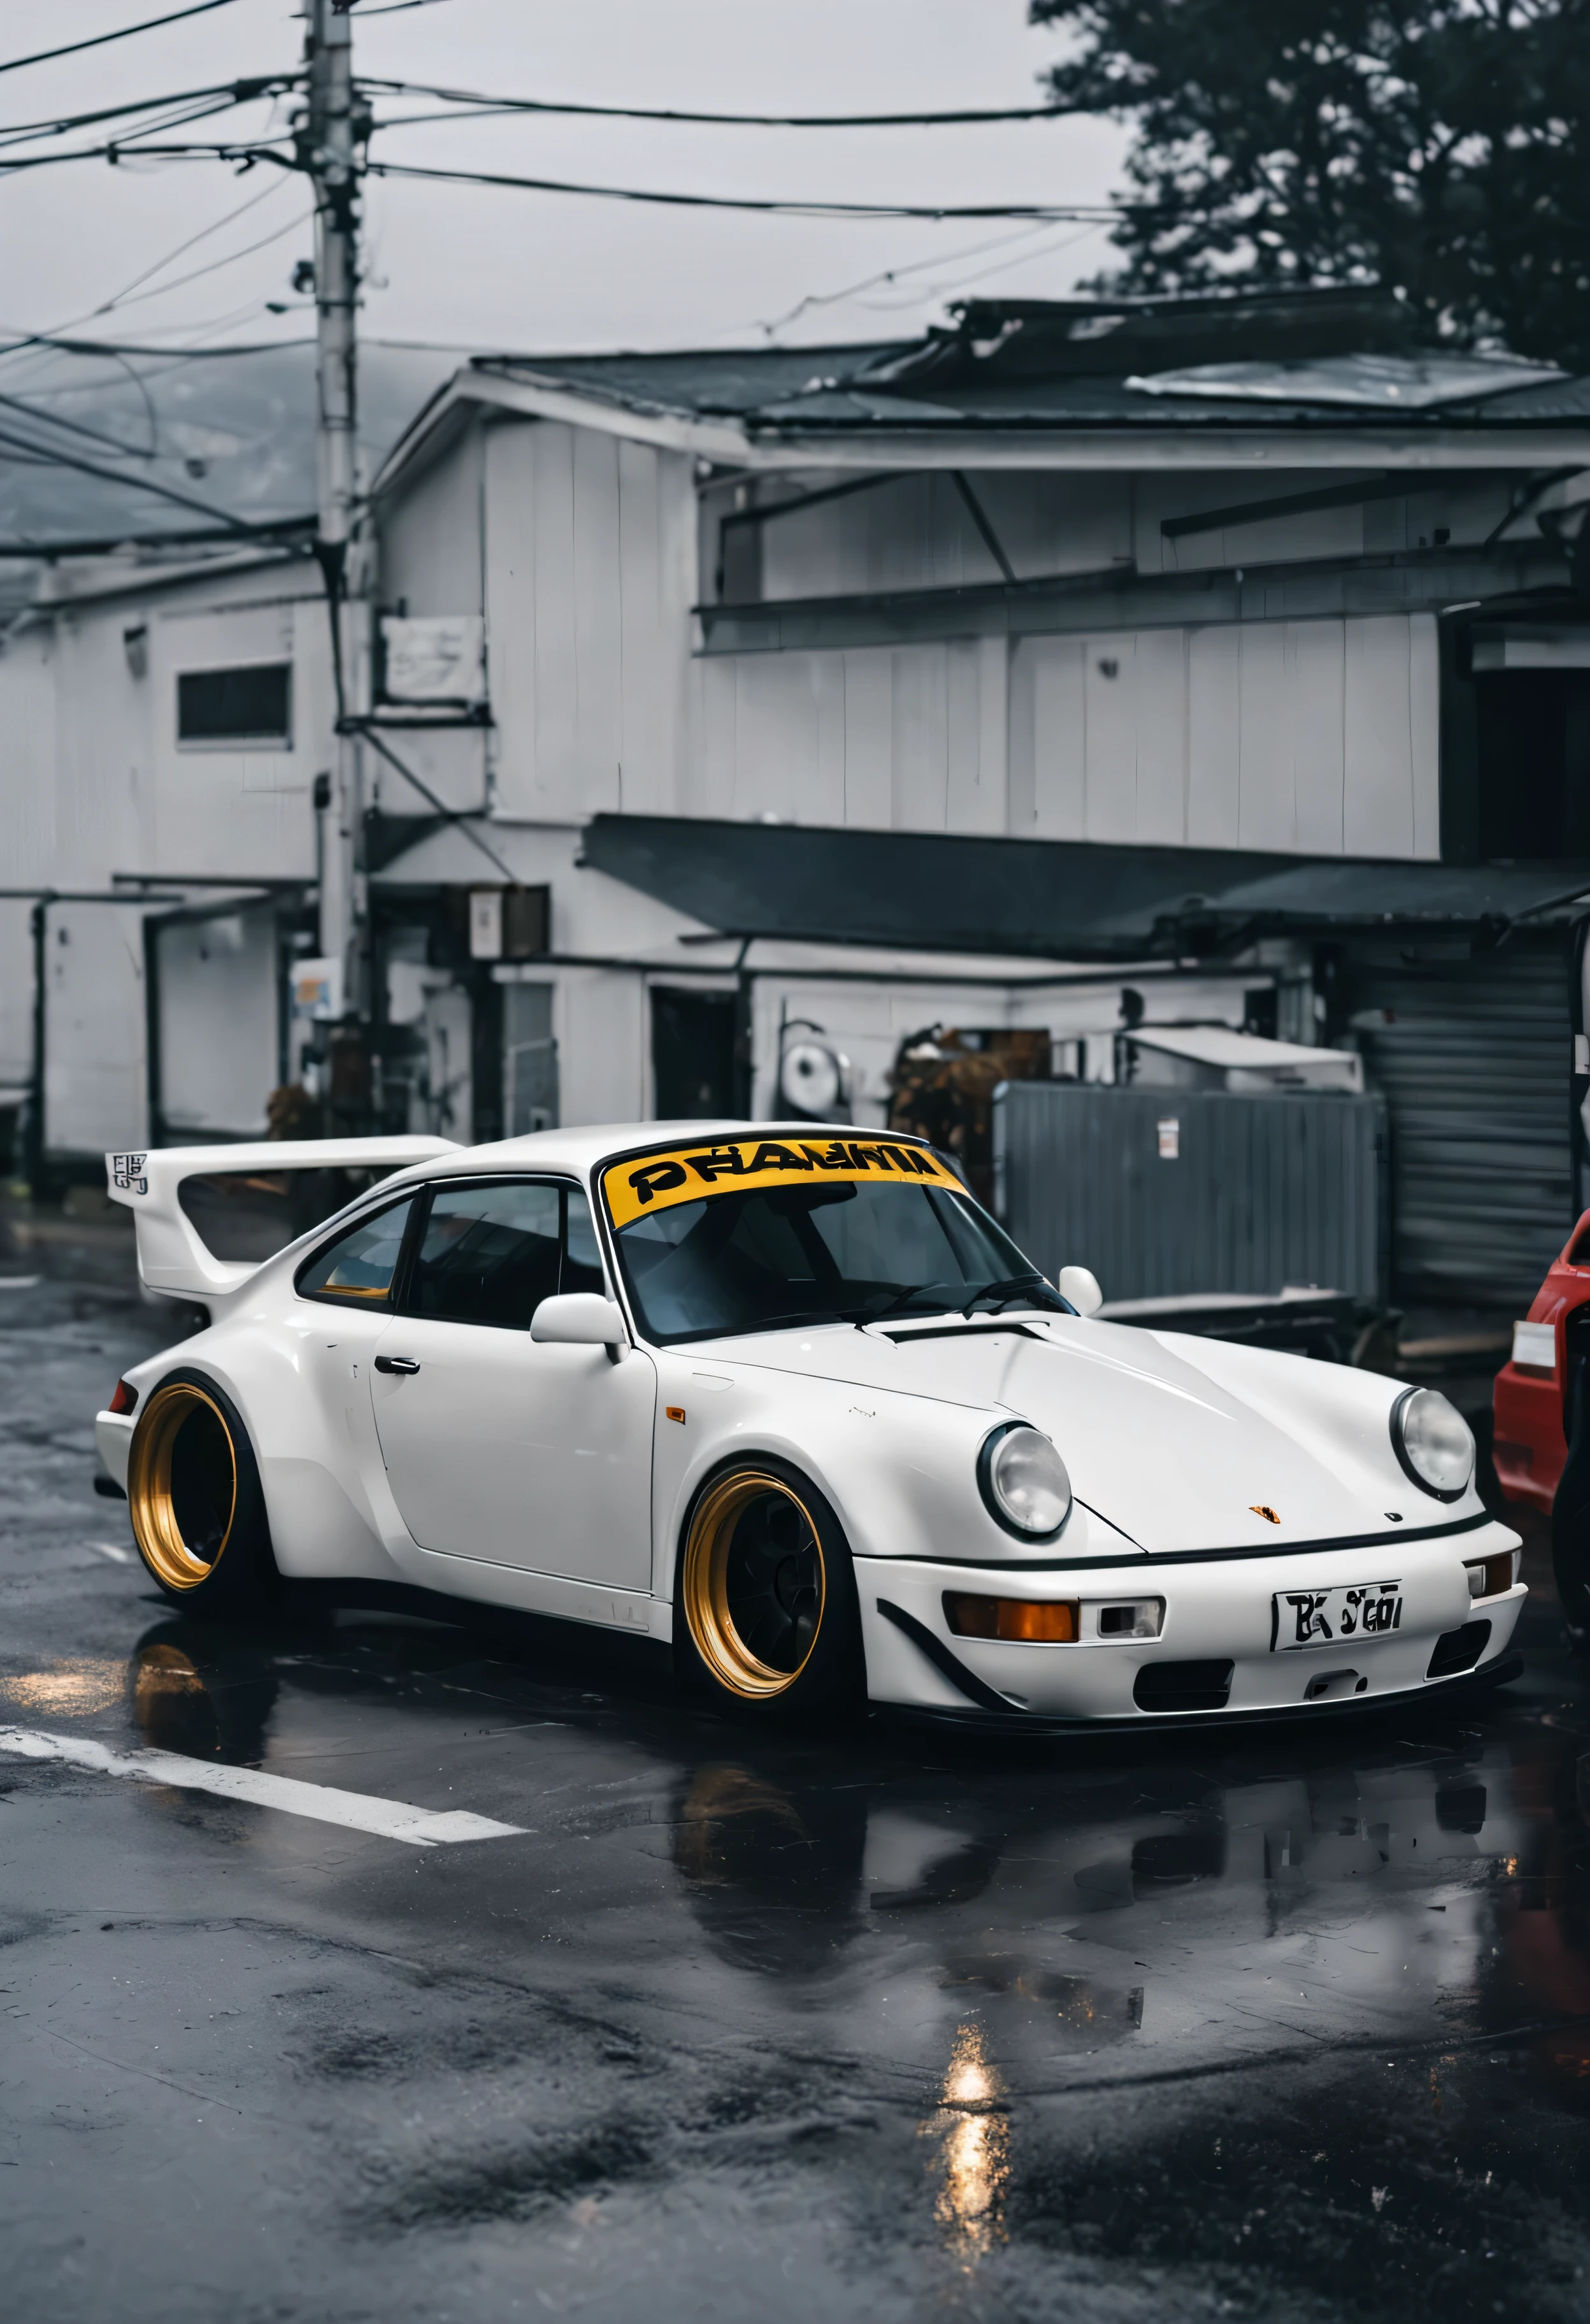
x=508, y=268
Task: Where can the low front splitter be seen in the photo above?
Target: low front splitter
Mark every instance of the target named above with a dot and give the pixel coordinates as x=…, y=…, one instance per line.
x=1465, y=1684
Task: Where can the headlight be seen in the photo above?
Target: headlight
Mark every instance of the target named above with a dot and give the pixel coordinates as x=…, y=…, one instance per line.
x=1433, y=1442
x=1024, y=1482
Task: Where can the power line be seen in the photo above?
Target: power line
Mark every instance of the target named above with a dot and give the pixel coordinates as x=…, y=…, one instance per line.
x=190, y=149
x=160, y=266
x=125, y=33
x=111, y=477
x=73, y=426
x=237, y=92
x=1041, y=246
x=120, y=348
x=196, y=150
x=474, y=97
x=180, y=117
x=1059, y=211
x=892, y=274
x=293, y=225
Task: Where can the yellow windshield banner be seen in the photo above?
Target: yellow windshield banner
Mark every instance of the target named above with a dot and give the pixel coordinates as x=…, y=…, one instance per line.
x=685, y=1173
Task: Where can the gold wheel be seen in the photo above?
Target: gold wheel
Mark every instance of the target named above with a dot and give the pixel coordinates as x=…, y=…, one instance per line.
x=182, y=1485
x=755, y=1586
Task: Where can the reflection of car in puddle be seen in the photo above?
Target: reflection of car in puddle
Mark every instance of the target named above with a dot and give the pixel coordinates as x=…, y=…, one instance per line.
x=1097, y=2012
x=1041, y=1910
x=774, y=1876
x=202, y=1693
x=1540, y=1969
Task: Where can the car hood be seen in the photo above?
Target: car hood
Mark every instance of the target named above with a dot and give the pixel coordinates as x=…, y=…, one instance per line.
x=1153, y=1444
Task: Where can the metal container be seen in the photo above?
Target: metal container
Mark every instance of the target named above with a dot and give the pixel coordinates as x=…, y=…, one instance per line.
x=1168, y=1193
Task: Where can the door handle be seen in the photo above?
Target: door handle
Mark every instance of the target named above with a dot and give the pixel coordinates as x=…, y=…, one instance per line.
x=396, y=1364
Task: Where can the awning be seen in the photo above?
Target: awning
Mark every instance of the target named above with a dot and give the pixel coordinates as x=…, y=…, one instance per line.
x=1057, y=898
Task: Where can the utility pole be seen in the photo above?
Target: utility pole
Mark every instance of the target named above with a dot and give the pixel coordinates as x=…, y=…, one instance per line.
x=330, y=140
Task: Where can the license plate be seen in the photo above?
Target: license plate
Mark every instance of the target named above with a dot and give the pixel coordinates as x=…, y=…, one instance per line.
x=1300, y=1618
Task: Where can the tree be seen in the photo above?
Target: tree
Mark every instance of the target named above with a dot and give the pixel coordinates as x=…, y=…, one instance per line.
x=1437, y=146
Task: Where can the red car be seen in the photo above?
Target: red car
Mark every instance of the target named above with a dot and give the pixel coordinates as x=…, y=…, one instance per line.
x=1543, y=1435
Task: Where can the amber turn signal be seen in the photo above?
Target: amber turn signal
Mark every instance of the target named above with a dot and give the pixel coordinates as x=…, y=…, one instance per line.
x=1488, y=1577
x=123, y=1398
x=1031, y=1621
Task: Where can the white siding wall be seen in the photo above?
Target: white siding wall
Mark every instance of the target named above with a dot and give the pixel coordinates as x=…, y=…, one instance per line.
x=432, y=534
x=433, y=562
x=224, y=812
x=27, y=830
x=916, y=532
x=93, y=782
x=95, y=1087
x=600, y=1022
x=220, y=1052
x=905, y=738
x=1306, y=737
x=590, y=574
x=1468, y=510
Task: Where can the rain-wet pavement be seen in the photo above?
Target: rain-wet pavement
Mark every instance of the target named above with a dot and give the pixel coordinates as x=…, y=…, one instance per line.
x=1269, y=2024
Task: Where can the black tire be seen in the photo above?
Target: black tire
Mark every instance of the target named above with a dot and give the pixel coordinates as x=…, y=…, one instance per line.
x=195, y=1502
x=766, y=1621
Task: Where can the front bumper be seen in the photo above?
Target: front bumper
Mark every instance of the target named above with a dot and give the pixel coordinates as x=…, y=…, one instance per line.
x=1216, y=1611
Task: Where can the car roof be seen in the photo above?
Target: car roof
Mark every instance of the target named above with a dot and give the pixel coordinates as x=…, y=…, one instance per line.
x=582, y=1152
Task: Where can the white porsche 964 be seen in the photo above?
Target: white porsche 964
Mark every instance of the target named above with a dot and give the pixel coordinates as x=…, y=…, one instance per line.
x=789, y=1398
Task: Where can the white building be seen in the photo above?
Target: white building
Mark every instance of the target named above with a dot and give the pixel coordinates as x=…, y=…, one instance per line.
x=1228, y=652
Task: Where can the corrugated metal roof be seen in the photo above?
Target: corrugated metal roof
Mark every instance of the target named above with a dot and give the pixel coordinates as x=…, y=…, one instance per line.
x=1395, y=384
x=742, y=380
x=936, y=384
x=1277, y=358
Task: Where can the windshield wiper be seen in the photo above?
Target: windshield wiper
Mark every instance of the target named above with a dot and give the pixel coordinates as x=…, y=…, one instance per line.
x=1005, y=1293
x=793, y=1320
x=893, y=1306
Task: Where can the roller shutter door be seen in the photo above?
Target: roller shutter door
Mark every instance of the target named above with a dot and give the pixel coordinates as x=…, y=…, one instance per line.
x=1473, y=1058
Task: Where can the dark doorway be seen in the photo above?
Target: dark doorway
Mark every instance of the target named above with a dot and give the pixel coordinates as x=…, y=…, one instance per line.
x=692, y=1054
x=1534, y=763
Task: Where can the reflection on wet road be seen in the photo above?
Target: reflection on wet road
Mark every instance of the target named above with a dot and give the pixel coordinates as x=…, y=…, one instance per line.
x=1297, y=2025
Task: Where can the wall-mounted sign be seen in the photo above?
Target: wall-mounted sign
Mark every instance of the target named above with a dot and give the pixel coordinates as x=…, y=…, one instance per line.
x=434, y=658
x=318, y=990
x=508, y=922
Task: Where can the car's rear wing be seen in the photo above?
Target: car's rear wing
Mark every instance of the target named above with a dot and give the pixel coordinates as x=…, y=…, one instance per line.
x=209, y=1216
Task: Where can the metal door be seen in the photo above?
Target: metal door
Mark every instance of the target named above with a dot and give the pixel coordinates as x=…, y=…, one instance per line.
x=1473, y=1057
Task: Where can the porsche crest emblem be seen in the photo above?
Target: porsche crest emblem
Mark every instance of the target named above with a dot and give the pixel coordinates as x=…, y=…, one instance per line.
x=1263, y=1509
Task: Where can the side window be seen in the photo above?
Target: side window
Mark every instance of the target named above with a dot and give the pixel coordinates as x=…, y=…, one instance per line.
x=358, y=1267
x=489, y=1254
x=582, y=1258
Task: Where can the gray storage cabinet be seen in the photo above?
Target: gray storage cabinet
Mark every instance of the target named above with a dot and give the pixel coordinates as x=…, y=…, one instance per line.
x=1164, y=1192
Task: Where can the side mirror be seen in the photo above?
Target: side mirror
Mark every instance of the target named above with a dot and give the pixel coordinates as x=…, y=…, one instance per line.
x=582, y=1319
x=1080, y=1285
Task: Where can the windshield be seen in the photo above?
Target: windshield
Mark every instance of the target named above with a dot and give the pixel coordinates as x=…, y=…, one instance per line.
x=756, y=1259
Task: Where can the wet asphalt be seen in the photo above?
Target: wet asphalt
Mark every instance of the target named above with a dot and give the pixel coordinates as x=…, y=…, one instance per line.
x=1280, y=2024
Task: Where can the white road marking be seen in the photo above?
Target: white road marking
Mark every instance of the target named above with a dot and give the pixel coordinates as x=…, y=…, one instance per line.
x=17, y=1282
x=390, y=1819
x=109, y=1549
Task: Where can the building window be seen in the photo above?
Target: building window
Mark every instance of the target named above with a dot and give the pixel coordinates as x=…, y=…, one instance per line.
x=252, y=703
